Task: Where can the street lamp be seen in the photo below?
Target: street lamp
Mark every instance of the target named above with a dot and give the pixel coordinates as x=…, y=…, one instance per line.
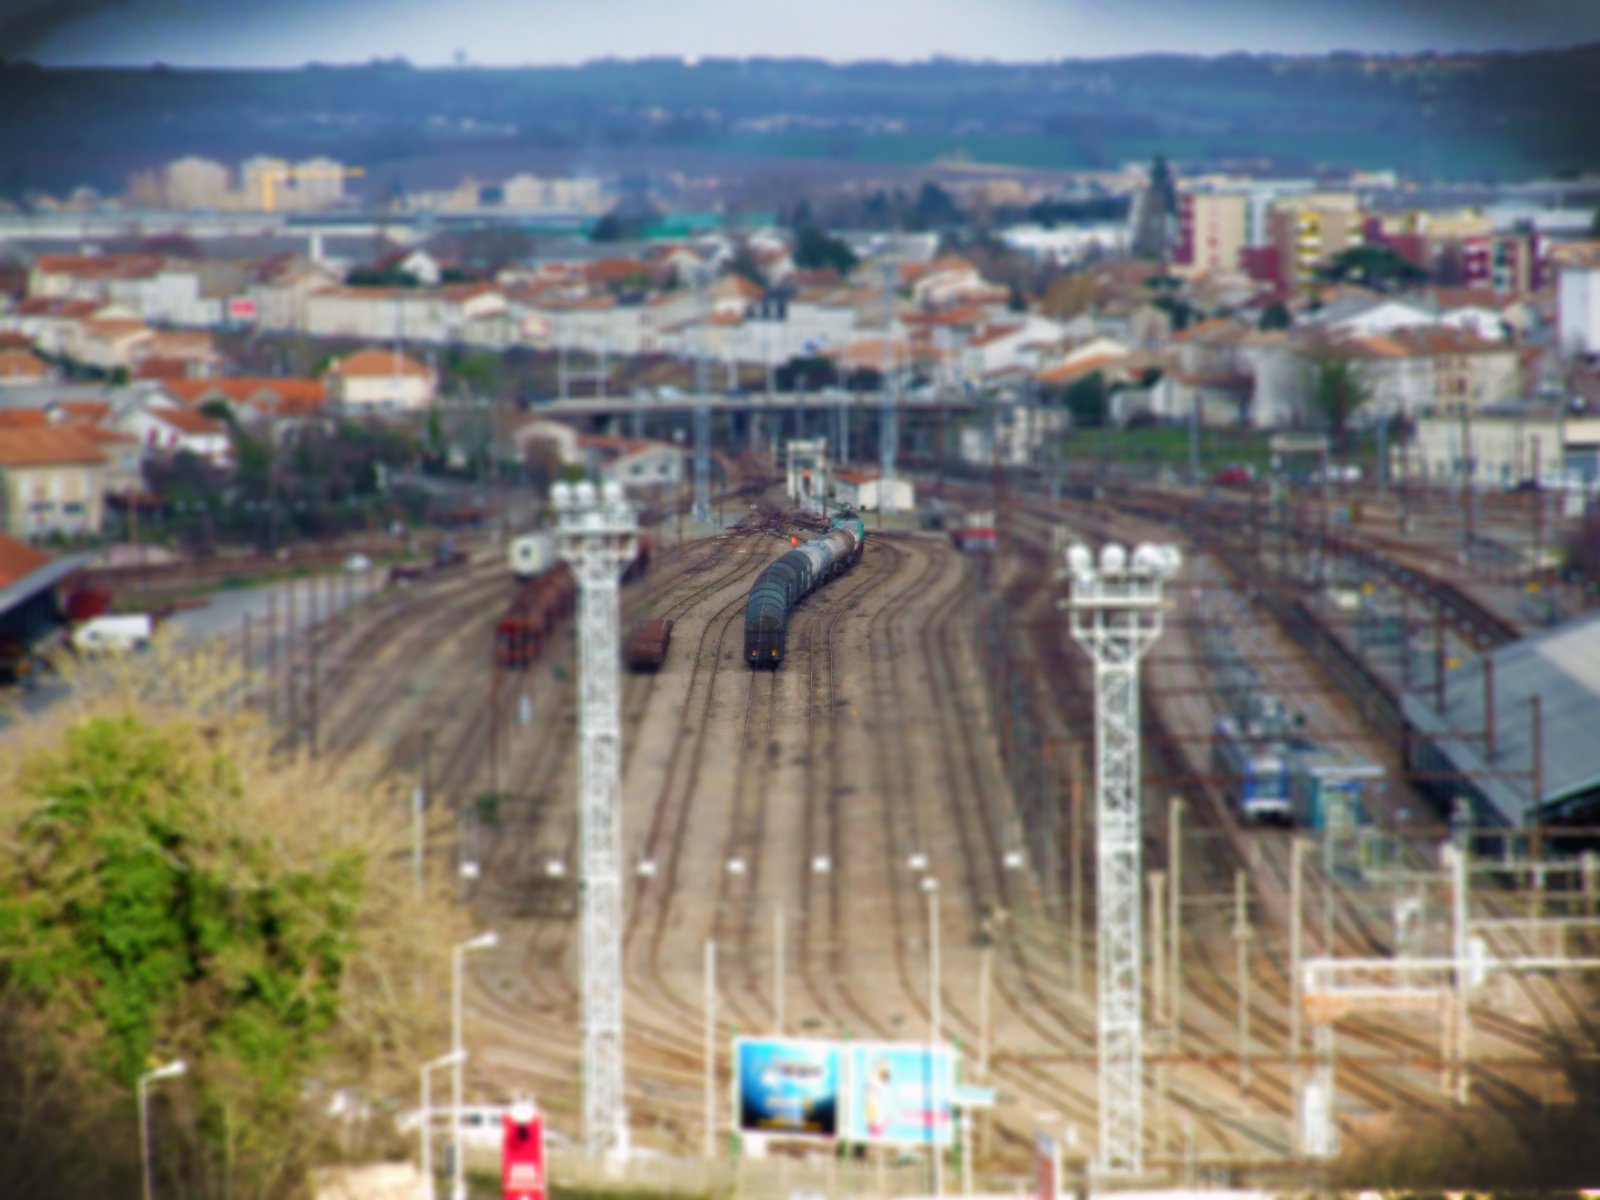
x=425, y=1130
x=170, y=1071
x=458, y=952
x=930, y=886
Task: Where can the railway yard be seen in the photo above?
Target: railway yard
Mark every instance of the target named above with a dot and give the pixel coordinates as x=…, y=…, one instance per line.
x=920, y=770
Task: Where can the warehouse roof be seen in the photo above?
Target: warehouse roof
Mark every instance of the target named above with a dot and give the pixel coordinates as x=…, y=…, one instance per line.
x=1561, y=666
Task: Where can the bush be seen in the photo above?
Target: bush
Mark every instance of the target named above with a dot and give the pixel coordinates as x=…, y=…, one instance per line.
x=171, y=887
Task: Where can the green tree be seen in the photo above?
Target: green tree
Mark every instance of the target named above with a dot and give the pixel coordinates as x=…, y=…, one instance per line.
x=476, y=372
x=1275, y=316
x=1338, y=390
x=1375, y=267
x=935, y=209
x=171, y=889
x=219, y=410
x=1086, y=399
x=815, y=248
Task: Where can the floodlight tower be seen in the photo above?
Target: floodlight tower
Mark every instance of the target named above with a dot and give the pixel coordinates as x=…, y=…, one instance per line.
x=889, y=430
x=702, y=402
x=596, y=535
x=1117, y=610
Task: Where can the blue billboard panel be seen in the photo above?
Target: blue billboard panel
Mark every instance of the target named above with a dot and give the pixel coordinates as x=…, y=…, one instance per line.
x=787, y=1087
x=899, y=1094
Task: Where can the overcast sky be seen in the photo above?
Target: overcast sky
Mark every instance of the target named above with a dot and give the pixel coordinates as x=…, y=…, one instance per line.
x=512, y=32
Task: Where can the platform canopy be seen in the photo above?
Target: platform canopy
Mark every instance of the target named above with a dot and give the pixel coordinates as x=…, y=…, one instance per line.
x=1561, y=666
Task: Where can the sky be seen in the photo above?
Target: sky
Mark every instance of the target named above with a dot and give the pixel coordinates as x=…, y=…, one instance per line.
x=287, y=33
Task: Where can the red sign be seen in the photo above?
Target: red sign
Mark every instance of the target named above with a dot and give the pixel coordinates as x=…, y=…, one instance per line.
x=1046, y=1167
x=241, y=308
x=522, y=1155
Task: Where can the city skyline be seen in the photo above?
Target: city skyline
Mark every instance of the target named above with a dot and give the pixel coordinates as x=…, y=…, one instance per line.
x=291, y=33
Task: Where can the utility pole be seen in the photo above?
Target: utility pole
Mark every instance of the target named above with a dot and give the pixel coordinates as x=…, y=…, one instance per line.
x=889, y=429
x=702, y=403
x=1296, y=956
x=1241, y=941
x=1117, y=609
x=596, y=536
x=1075, y=899
x=710, y=1147
x=1175, y=921
x=777, y=968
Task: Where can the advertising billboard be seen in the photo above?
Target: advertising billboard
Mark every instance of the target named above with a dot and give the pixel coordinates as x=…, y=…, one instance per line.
x=898, y=1094
x=788, y=1087
x=522, y=1174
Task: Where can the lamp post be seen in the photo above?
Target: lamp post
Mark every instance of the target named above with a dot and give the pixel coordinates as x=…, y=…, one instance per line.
x=170, y=1071
x=425, y=1130
x=458, y=953
x=930, y=886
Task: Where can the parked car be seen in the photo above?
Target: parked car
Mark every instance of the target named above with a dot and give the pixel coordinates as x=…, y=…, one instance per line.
x=114, y=634
x=1235, y=476
x=1339, y=473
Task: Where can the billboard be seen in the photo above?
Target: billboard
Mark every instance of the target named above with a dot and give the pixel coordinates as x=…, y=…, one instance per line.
x=787, y=1086
x=898, y=1094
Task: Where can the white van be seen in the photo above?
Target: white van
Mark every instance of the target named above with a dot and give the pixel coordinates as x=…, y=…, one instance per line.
x=114, y=634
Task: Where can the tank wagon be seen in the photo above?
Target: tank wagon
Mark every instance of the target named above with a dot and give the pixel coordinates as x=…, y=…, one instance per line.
x=790, y=580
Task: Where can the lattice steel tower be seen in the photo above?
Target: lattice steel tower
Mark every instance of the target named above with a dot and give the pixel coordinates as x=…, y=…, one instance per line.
x=1117, y=609
x=596, y=535
x=702, y=403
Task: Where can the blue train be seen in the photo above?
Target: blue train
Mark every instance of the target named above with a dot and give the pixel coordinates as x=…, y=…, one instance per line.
x=1252, y=771
x=791, y=579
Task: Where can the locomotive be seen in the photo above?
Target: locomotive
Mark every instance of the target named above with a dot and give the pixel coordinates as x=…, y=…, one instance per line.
x=791, y=579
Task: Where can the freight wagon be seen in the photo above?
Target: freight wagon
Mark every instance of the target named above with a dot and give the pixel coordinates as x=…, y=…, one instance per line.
x=789, y=580
x=646, y=647
x=546, y=595
x=976, y=533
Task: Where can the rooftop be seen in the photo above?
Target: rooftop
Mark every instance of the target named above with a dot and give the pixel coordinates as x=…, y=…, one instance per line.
x=18, y=560
x=46, y=446
x=1561, y=666
x=371, y=364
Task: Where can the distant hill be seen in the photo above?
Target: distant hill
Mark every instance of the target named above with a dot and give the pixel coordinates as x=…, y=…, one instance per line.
x=1469, y=116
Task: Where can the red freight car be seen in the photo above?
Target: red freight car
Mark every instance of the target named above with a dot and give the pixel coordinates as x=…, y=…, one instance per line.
x=540, y=603
x=647, y=644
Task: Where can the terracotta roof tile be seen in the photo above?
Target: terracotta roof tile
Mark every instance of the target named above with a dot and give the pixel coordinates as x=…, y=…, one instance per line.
x=377, y=364
x=22, y=363
x=1076, y=370
x=45, y=447
x=187, y=421
x=303, y=393
x=18, y=560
